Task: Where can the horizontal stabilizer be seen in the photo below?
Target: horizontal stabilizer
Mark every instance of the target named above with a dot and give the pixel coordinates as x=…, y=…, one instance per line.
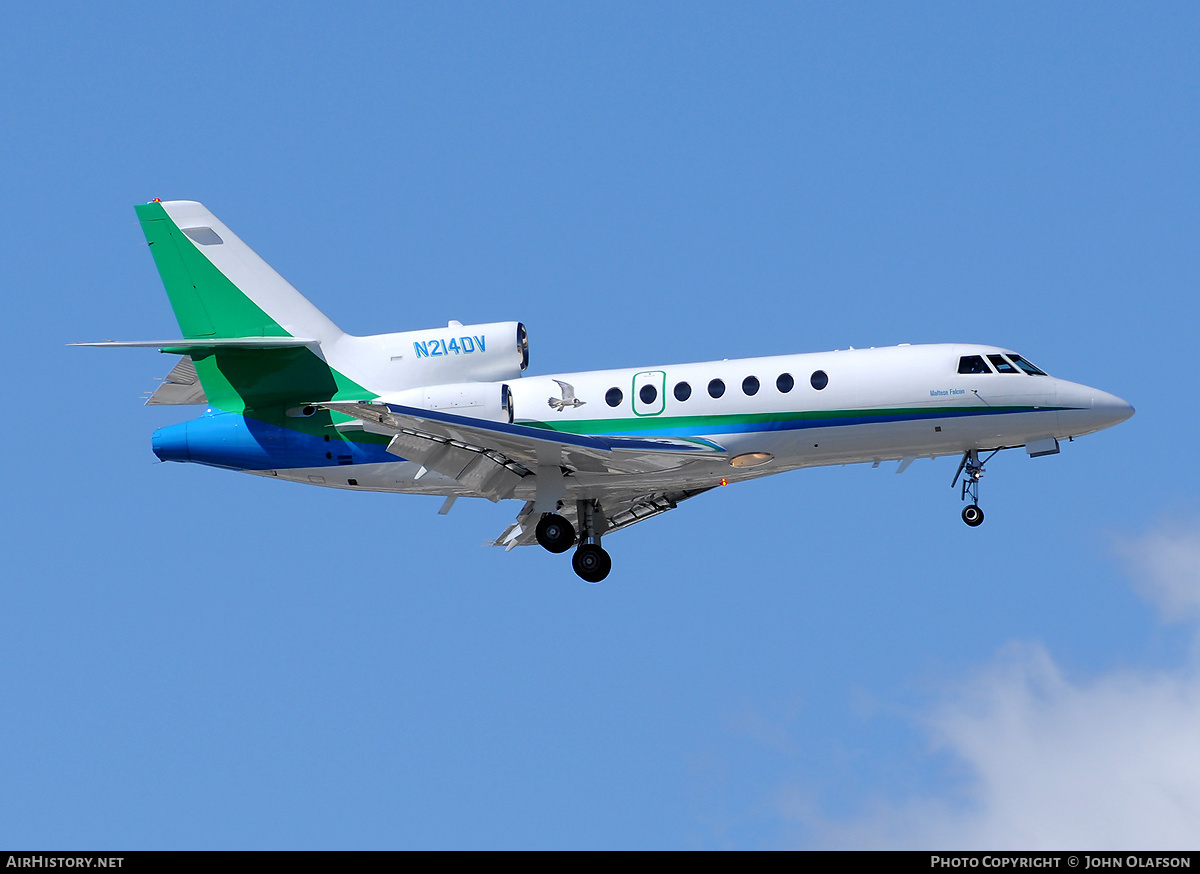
x=180, y=386
x=209, y=344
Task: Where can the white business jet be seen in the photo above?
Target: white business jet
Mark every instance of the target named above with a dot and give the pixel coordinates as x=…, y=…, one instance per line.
x=448, y=412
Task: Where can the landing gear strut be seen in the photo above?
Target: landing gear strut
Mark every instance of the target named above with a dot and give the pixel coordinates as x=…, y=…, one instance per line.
x=971, y=469
x=590, y=561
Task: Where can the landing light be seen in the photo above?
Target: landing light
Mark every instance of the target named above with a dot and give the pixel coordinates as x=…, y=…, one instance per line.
x=750, y=459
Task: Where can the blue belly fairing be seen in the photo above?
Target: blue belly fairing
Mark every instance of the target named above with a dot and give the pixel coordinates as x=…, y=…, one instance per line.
x=237, y=442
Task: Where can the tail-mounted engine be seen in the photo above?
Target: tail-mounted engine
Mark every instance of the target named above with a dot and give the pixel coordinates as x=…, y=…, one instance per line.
x=442, y=356
x=476, y=400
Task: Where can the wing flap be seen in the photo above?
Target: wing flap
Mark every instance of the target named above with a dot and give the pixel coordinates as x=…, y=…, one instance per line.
x=623, y=514
x=619, y=512
x=486, y=472
x=520, y=532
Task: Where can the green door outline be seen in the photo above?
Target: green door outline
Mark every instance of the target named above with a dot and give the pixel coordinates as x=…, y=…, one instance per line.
x=657, y=379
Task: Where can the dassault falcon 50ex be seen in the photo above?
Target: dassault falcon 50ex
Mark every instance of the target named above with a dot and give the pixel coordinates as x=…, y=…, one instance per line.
x=446, y=411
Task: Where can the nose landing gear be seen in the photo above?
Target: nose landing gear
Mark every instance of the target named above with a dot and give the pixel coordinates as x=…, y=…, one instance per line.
x=971, y=469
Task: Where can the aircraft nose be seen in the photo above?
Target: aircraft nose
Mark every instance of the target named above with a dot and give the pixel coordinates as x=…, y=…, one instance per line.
x=1086, y=410
x=1109, y=409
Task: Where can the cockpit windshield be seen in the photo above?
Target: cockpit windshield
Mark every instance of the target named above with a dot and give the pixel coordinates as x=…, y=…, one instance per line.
x=1001, y=364
x=1025, y=365
x=973, y=364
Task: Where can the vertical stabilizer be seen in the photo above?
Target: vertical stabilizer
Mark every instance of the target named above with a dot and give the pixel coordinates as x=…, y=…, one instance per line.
x=221, y=291
x=218, y=286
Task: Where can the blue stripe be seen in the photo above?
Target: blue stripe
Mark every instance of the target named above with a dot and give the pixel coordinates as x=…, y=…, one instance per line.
x=717, y=427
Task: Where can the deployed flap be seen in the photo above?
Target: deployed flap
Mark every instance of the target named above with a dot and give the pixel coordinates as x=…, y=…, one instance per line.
x=523, y=445
x=180, y=386
x=619, y=512
x=486, y=472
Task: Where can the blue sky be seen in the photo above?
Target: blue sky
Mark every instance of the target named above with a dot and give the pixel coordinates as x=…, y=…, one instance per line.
x=193, y=658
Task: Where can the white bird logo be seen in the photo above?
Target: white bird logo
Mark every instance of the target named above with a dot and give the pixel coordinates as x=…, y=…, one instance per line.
x=568, y=398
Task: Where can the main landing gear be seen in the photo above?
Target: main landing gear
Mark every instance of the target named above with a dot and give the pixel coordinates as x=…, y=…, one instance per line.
x=555, y=533
x=591, y=562
x=558, y=535
x=971, y=469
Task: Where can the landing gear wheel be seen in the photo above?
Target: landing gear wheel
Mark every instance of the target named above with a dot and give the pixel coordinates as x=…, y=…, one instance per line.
x=972, y=515
x=591, y=563
x=555, y=533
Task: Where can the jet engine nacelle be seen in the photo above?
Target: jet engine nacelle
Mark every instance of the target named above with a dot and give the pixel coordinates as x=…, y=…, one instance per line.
x=442, y=356
x=477, y=400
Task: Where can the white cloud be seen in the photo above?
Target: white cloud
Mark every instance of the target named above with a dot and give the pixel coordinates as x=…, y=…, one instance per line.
x=1165, y=565
x=1113, y=762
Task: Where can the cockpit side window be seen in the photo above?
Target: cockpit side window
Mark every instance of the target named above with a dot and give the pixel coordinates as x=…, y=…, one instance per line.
x=972, y=364
x=1025, y=365
x=1001, y=365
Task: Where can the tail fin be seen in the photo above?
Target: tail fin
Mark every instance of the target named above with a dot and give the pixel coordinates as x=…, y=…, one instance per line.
x=224, y=295
x=218, y=286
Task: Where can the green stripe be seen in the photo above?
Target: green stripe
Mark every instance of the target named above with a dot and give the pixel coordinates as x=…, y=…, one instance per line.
x=699, y=424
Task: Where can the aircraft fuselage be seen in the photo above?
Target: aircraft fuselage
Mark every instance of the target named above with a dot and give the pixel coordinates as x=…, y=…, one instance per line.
x=893, y=403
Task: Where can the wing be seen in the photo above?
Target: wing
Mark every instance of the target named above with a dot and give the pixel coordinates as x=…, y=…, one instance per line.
x=619, y=513
x=491, y=458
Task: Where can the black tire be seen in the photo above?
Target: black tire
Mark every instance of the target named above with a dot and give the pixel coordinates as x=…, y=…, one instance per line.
x=972, y=515
x=591, y=563
x=555, y=533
